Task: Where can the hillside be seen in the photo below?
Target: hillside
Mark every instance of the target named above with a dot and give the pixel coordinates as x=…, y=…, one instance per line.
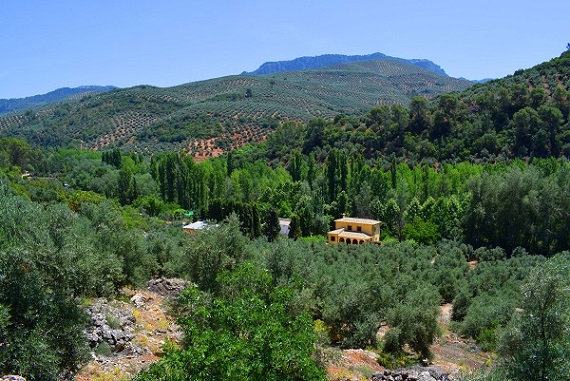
x=325, y=60
x=524, y=115
x=209, y=117
x=75, y=93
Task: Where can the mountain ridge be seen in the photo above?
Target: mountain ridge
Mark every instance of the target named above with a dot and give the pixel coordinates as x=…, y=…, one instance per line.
x=18, y=104
x=325, y=60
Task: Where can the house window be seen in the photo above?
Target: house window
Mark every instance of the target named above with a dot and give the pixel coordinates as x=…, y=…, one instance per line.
x=333, y=239
x=349, y=227
x=359, y=228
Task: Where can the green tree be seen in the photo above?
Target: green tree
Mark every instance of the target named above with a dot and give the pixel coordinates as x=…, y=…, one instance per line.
x=31, y=305
x=536, y=345
x=414, y=322
x=247, y=331
x=125, y=187
x=551, y=121
x=271, y=228
x=212, y=251
x=419, y=115
x=422, y=231
x=295, y=227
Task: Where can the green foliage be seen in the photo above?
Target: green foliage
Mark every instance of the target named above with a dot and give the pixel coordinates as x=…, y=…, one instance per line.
x=104, y=349
x=522, y=207
x=535, y=345
x=443, y=176
x=32, y=304
x=414, y=322
x=425, y=232
x=391, y=360
x=245, y=331
x=271, y=227
x=212, y=251
x=18, y=153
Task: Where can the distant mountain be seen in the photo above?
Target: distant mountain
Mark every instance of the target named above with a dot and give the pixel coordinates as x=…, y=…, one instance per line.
x=484, y=80
x=17, y=104
x=207, y=118
x=304, y=63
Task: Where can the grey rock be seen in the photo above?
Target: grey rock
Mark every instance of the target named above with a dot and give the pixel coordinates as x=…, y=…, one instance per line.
x=117, y=335
x=425, y=376
x=414, y=373
x=138, y=300
x=109, y=324
x=169, y=287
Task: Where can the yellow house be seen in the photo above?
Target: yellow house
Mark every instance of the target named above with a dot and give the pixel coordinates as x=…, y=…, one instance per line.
x=354, y=231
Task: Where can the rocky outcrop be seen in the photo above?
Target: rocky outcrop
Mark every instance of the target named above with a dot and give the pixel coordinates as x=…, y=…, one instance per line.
x=415, y=373
x=168, y=287
x=111, y=330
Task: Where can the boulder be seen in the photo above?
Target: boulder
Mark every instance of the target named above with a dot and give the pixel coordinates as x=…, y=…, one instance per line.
x=138, y=300
x=112, y=325
x=425, y=376
x=168, y=287
x=414, y=373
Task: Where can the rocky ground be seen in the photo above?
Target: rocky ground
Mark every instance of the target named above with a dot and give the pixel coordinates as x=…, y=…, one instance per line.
x=134, y=328
x=136, y=325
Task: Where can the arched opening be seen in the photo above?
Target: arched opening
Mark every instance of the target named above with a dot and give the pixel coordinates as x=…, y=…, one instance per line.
x=355, y=241
x=361, y=242
x=341, y=240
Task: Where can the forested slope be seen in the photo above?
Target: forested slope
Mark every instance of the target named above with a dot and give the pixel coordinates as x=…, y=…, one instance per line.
x=524, y=115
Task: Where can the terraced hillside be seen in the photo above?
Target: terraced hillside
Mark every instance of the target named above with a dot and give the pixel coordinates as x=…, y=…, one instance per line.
x=210, y=117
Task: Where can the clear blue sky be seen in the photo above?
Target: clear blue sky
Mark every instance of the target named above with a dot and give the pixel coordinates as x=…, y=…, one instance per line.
x=48, y=44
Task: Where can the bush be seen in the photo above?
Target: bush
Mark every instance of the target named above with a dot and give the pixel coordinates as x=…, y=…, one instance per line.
x=244, y=332
x=32, y=307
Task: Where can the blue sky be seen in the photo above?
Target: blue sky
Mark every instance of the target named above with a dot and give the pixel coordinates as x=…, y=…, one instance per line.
x=48, y=44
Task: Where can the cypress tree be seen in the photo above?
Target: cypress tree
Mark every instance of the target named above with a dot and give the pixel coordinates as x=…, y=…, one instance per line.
x=272, y=228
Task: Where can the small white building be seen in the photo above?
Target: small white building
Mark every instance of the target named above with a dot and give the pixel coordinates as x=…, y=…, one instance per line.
x=285, y=224
x=192, y=227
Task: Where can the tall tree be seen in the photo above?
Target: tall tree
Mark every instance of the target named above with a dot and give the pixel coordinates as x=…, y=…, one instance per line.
x=125, y=186
x=419, y=115
x=271, y=227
